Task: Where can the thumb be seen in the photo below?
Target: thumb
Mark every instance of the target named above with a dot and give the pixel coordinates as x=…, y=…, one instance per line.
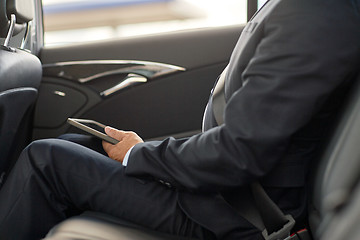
x=114, y=133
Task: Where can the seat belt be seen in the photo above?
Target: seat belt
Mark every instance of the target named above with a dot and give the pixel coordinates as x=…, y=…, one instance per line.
x=264, y=214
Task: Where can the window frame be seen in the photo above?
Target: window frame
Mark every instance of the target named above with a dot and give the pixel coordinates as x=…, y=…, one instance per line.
x=252, y=7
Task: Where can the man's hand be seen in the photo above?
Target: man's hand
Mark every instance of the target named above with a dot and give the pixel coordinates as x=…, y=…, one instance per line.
x=126, y=141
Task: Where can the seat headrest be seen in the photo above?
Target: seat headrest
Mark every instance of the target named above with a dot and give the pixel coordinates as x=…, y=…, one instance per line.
x=23, y=11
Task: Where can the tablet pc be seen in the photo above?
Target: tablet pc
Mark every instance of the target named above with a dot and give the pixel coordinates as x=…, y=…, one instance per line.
x=94, y=128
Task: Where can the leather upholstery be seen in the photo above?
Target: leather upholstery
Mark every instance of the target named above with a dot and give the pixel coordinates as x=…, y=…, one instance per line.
x=20, y=76
x=19, y=69
x=94, y=226
x=23, y=10
x=14, y=107
x=339, y=171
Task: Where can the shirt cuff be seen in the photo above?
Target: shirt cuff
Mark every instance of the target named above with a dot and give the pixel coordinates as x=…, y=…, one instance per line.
x=126, y=158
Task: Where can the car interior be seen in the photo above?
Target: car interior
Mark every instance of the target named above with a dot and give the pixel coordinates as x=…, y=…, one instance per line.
x=135, y=84
x=20, y=76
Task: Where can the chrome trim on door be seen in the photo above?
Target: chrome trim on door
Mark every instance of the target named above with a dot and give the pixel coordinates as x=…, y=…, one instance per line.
x=85, y=71
x=129, y=81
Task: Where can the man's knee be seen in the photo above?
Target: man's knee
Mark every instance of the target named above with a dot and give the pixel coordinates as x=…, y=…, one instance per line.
x=42, y=152
x=35, y=156
x=60, y=153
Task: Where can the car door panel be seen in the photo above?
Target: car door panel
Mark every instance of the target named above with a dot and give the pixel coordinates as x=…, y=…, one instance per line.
x=169, y=104
x=189, y=49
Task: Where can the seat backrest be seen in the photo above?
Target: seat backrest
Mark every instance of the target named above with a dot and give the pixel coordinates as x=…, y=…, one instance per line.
x=23, y=11
x=339, y=169
x=20, y=76
x=344, y=223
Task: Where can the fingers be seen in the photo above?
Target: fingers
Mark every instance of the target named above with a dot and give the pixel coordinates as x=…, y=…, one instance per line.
x=126, y=141
x=115, y=133
x=107, y=146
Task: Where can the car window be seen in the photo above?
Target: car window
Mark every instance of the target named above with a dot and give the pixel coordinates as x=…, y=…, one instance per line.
x=70, y=21
x=261, y=2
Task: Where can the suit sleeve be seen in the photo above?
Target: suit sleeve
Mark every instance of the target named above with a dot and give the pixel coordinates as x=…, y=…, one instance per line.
x=295, y=68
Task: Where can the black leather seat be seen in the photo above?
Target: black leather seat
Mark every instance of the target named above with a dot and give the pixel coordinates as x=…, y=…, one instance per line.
x=336, y=182
x=20, y=76
x=344, y=223
x=95, y=226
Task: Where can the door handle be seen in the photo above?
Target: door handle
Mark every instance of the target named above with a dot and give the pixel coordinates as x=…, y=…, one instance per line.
x=129, y=81
x=86, y=71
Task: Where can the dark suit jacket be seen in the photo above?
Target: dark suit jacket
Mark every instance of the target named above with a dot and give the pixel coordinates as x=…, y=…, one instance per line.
x=291, y=66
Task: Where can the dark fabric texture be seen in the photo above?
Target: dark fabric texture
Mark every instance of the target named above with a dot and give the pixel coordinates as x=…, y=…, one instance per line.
x=291, y=67
x=56, y=179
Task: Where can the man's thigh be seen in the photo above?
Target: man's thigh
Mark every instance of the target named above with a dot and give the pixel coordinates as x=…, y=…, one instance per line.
x=71, y=178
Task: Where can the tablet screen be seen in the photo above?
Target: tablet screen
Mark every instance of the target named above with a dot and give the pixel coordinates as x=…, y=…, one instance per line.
x=92, y=127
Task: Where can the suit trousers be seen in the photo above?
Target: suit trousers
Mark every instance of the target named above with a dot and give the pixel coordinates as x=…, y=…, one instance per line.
x=55, y=179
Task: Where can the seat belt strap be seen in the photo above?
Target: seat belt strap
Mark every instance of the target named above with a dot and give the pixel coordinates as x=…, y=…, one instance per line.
x=265, y=214
x=219, y=101
x=277, y=225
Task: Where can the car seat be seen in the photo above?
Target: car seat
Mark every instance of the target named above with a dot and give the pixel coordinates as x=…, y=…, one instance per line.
x=335, y=199
x=20, y=76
